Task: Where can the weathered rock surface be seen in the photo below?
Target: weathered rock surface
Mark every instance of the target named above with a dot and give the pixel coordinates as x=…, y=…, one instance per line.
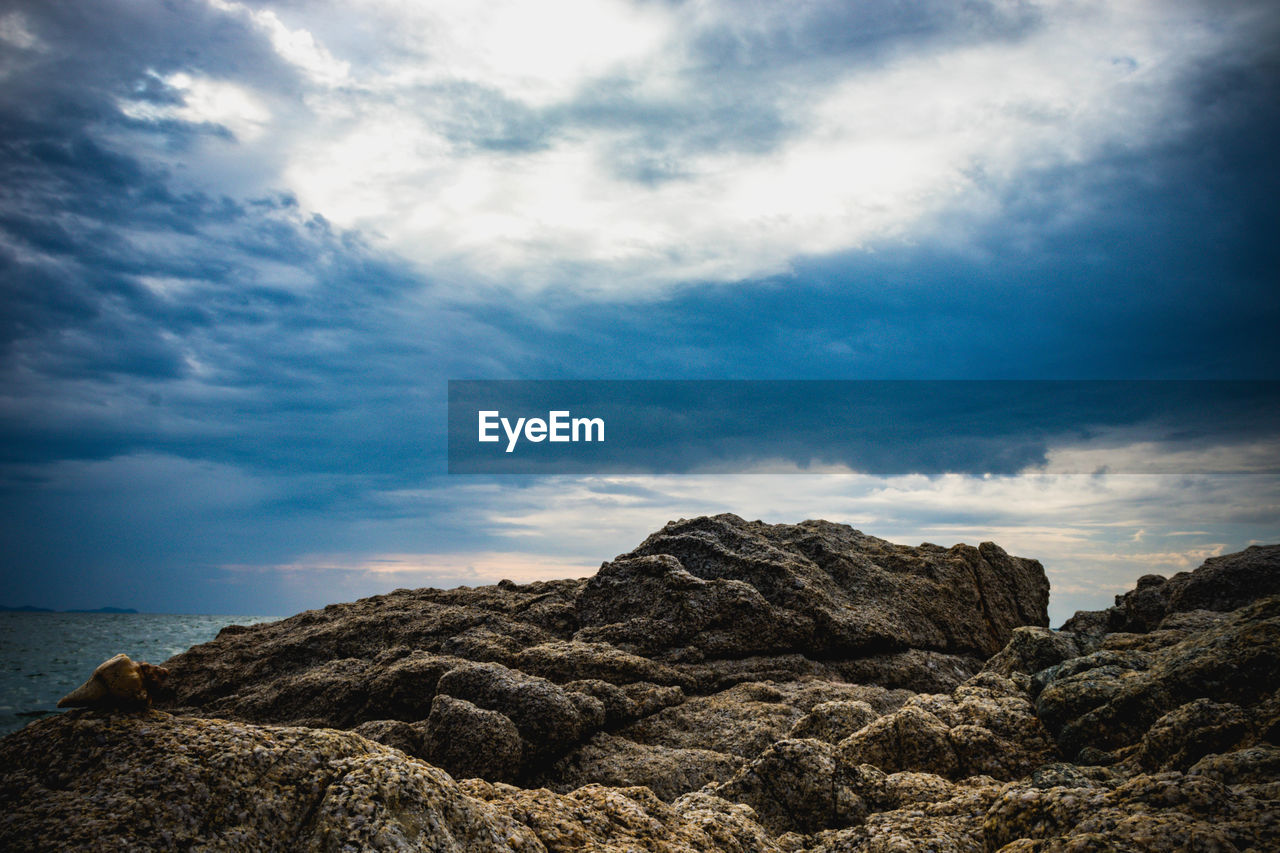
x=1220, y=584
x=726, y=686
x=152, y=781
x=721, y=587
x=119, y=683
x=1109, y=699
x=701, y=606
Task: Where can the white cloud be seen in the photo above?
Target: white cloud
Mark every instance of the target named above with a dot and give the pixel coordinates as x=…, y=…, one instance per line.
x=872, y=152
x=205, y=101
x=298, y=47
x=15, y=30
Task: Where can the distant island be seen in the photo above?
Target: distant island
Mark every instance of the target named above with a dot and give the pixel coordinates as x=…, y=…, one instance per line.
x=27, y=608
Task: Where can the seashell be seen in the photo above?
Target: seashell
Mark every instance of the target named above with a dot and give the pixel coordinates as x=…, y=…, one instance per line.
x=118, y=682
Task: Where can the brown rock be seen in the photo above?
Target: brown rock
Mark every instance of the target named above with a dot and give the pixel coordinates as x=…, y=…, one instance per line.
x=469, y=741
x=798, y=785
x=727, y=587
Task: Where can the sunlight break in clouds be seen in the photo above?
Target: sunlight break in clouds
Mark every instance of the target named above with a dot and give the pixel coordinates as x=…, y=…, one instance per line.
x=205, y=101
x=401, y=145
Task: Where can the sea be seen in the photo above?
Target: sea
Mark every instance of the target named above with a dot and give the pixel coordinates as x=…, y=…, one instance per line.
x=47, y=655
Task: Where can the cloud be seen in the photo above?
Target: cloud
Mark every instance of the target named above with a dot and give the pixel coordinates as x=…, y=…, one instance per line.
x=688, y=144
x=496, y=147
x=243, y=245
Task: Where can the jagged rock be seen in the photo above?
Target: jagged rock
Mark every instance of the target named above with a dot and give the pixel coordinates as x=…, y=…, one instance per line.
x=1221, y=584
x=152, y=781
x=568, y=661
x=653, y=605
x=1163, y=812
x=908, y=739
x=699, y=607
x=1253, y=765
x=400, y=735
x=743, y=720
x=1031, y=649
x=403, y=688
x=985, y=727
x=917, y=670
x=1190, y=732
x=1109, y=699
x=925, y=813
x=652, y=698
x=695, y=695
x=545, y=715
x=617, y=706
x=1059, y=774
x=724, y=587
x=614, y=820
x=227, y=672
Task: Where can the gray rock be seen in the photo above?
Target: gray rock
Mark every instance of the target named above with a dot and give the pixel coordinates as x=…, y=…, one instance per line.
x=1220, y=584
x=467, y=741
x=1170, y=725
x=833, y=721
x=544, y=713
x=394, y=733
x=797, y=785
x=1031, y=649
x=668, y=771
x=1191, y=731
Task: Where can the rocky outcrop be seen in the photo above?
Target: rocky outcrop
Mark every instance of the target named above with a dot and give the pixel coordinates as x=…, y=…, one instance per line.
x=1220, y=584
x=728, y=685
x=1108, y=700
x=699, y=607
x=721, y=587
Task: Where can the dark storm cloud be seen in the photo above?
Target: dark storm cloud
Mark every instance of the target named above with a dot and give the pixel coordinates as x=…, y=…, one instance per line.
x=769, y=38
x=138, y=317
x=189, y=380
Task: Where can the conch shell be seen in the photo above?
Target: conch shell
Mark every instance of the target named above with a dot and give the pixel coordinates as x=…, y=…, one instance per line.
x=118, y=683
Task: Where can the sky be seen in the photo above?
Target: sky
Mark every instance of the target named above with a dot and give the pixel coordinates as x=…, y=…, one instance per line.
x=245, y=246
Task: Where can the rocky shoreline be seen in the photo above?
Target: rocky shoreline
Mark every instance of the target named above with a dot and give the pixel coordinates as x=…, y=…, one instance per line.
x=727, y=685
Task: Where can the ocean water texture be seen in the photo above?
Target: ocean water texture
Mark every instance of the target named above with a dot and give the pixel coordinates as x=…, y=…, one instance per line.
x=47, y=655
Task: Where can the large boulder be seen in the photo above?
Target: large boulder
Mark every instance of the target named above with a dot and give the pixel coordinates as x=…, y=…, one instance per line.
x=468, y=741
x=722, y=586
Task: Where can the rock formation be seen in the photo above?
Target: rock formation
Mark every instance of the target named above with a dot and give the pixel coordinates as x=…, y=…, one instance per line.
x=727, y=685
